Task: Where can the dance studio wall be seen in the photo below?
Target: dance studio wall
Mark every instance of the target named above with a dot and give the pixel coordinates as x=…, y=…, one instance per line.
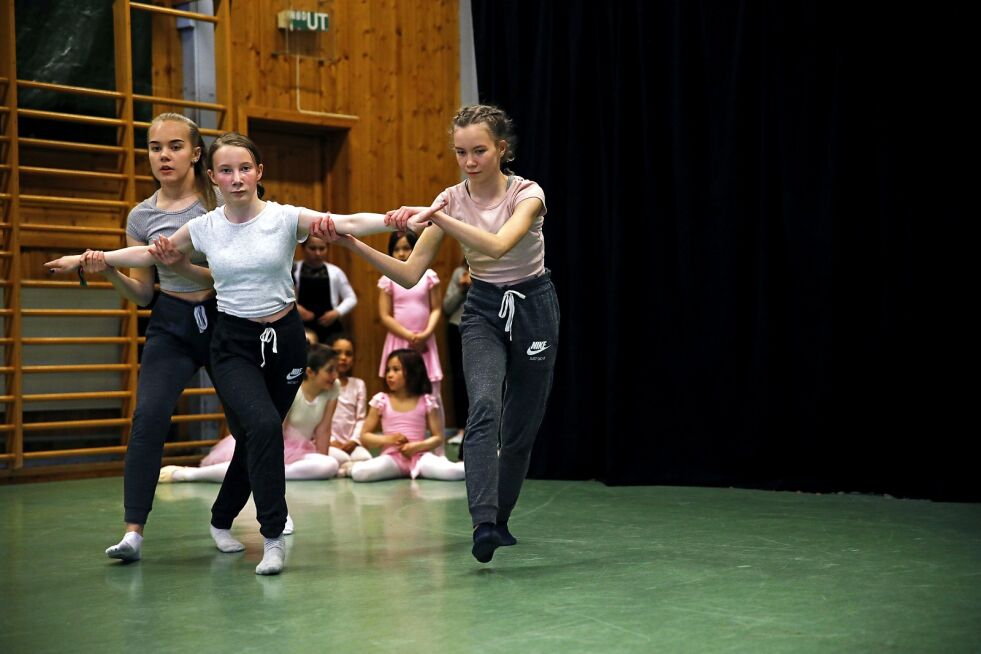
x=394, y=67
x=755, y=227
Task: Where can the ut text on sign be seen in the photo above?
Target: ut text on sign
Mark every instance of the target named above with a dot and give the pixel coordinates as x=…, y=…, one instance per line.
x=302, y=21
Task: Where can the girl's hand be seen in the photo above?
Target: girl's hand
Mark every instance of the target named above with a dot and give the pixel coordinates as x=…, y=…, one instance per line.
x=420, y=221
x=163, y=250
x=328, y=318
x=397, y=439
x=414, y=218
x=305, y=314
x=323, y=228
x=465, y=280
x=94, y=261
x=410, y=449
x=64, y=264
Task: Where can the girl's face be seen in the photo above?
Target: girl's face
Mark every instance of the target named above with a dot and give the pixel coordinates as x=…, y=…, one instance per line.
x=314, y=251
x=235, y=172
x=394, y=375
x=402, y=249
x=477, y=154
x=171, y=155
x=325, y=377
x=345, y=356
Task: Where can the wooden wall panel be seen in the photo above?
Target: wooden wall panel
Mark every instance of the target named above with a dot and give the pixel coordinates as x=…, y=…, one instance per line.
x=394, y=65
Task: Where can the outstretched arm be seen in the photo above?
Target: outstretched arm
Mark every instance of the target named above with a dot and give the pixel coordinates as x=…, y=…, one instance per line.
x=355, y=224
x=136, y=287
x=139, y=256
x=405, y=273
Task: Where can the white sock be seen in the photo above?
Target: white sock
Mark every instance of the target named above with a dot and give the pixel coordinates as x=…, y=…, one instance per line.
x=288, y=529
x=274, y=557
x=225, y=541
x=128, y=549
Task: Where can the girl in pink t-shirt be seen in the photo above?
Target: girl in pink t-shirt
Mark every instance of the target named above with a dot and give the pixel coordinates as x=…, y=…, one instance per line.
x=510, y=324
x=397, y=423
x=411, y=315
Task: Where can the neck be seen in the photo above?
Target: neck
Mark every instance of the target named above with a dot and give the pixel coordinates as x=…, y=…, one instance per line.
x=488, y=187
x=244, y=212
x=400, y=395
x=178, y=190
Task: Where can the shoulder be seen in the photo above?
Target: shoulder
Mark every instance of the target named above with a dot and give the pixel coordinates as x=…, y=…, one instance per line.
x=430, y=402
x=455, y=194
x=379, y=401
x=141, y=213
x=432, y=279
x=523, y=189
x=385, y=284
x=335, y=271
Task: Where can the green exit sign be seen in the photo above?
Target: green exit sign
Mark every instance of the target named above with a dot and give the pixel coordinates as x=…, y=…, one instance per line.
x=302, y=21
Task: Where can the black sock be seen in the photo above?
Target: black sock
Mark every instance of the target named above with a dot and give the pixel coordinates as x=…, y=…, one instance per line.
x=505, y=535
x=486, y=539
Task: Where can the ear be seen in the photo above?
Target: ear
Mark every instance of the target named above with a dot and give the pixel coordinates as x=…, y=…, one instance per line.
x=211, y=176
x=502, y=146
x=197, y=154
x=258, y=172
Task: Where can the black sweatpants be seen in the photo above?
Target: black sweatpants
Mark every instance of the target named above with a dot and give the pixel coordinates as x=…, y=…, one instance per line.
x=258, y=369
x=178, y=341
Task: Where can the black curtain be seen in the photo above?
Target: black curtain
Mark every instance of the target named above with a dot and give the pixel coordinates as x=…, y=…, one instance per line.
x=756, y=227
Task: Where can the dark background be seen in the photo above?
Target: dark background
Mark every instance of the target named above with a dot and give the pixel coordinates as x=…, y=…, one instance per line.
x=756, y=227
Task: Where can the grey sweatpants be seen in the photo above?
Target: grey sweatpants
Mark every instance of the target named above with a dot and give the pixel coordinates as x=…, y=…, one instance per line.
x=509, y=376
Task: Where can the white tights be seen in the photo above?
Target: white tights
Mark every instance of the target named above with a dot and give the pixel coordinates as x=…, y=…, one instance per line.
x=357, y=454
x=431, y=466
x=311, y=466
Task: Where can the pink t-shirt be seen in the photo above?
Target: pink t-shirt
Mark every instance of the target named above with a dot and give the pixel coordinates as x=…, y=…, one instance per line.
x=350, y=411
x=527, y=258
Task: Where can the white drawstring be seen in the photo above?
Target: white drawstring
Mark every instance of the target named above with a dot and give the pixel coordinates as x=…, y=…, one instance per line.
x=268, y=335
x=507, y=310
x=201, y=318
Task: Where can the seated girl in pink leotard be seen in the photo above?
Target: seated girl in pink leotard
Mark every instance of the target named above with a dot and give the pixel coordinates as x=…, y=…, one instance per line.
x=397, y=423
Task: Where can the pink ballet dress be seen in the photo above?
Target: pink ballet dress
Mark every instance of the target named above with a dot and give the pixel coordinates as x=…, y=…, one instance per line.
x=410, y=423
x=410, y=307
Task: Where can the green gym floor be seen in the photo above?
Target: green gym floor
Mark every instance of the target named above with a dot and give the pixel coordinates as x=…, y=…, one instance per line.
x=386, y=567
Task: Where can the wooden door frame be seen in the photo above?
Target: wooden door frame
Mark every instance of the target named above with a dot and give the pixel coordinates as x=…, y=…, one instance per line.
x=336, y=126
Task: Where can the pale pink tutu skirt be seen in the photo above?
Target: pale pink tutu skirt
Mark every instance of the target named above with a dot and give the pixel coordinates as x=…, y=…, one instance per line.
x=294, y=449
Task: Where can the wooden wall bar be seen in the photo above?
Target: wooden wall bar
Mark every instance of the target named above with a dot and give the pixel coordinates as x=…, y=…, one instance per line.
x=354, y=119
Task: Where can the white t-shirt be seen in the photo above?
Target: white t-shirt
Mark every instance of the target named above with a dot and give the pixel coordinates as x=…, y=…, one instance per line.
x=251, y=262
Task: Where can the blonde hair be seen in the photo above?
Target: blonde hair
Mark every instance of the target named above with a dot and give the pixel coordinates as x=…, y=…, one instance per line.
x=205, y=190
